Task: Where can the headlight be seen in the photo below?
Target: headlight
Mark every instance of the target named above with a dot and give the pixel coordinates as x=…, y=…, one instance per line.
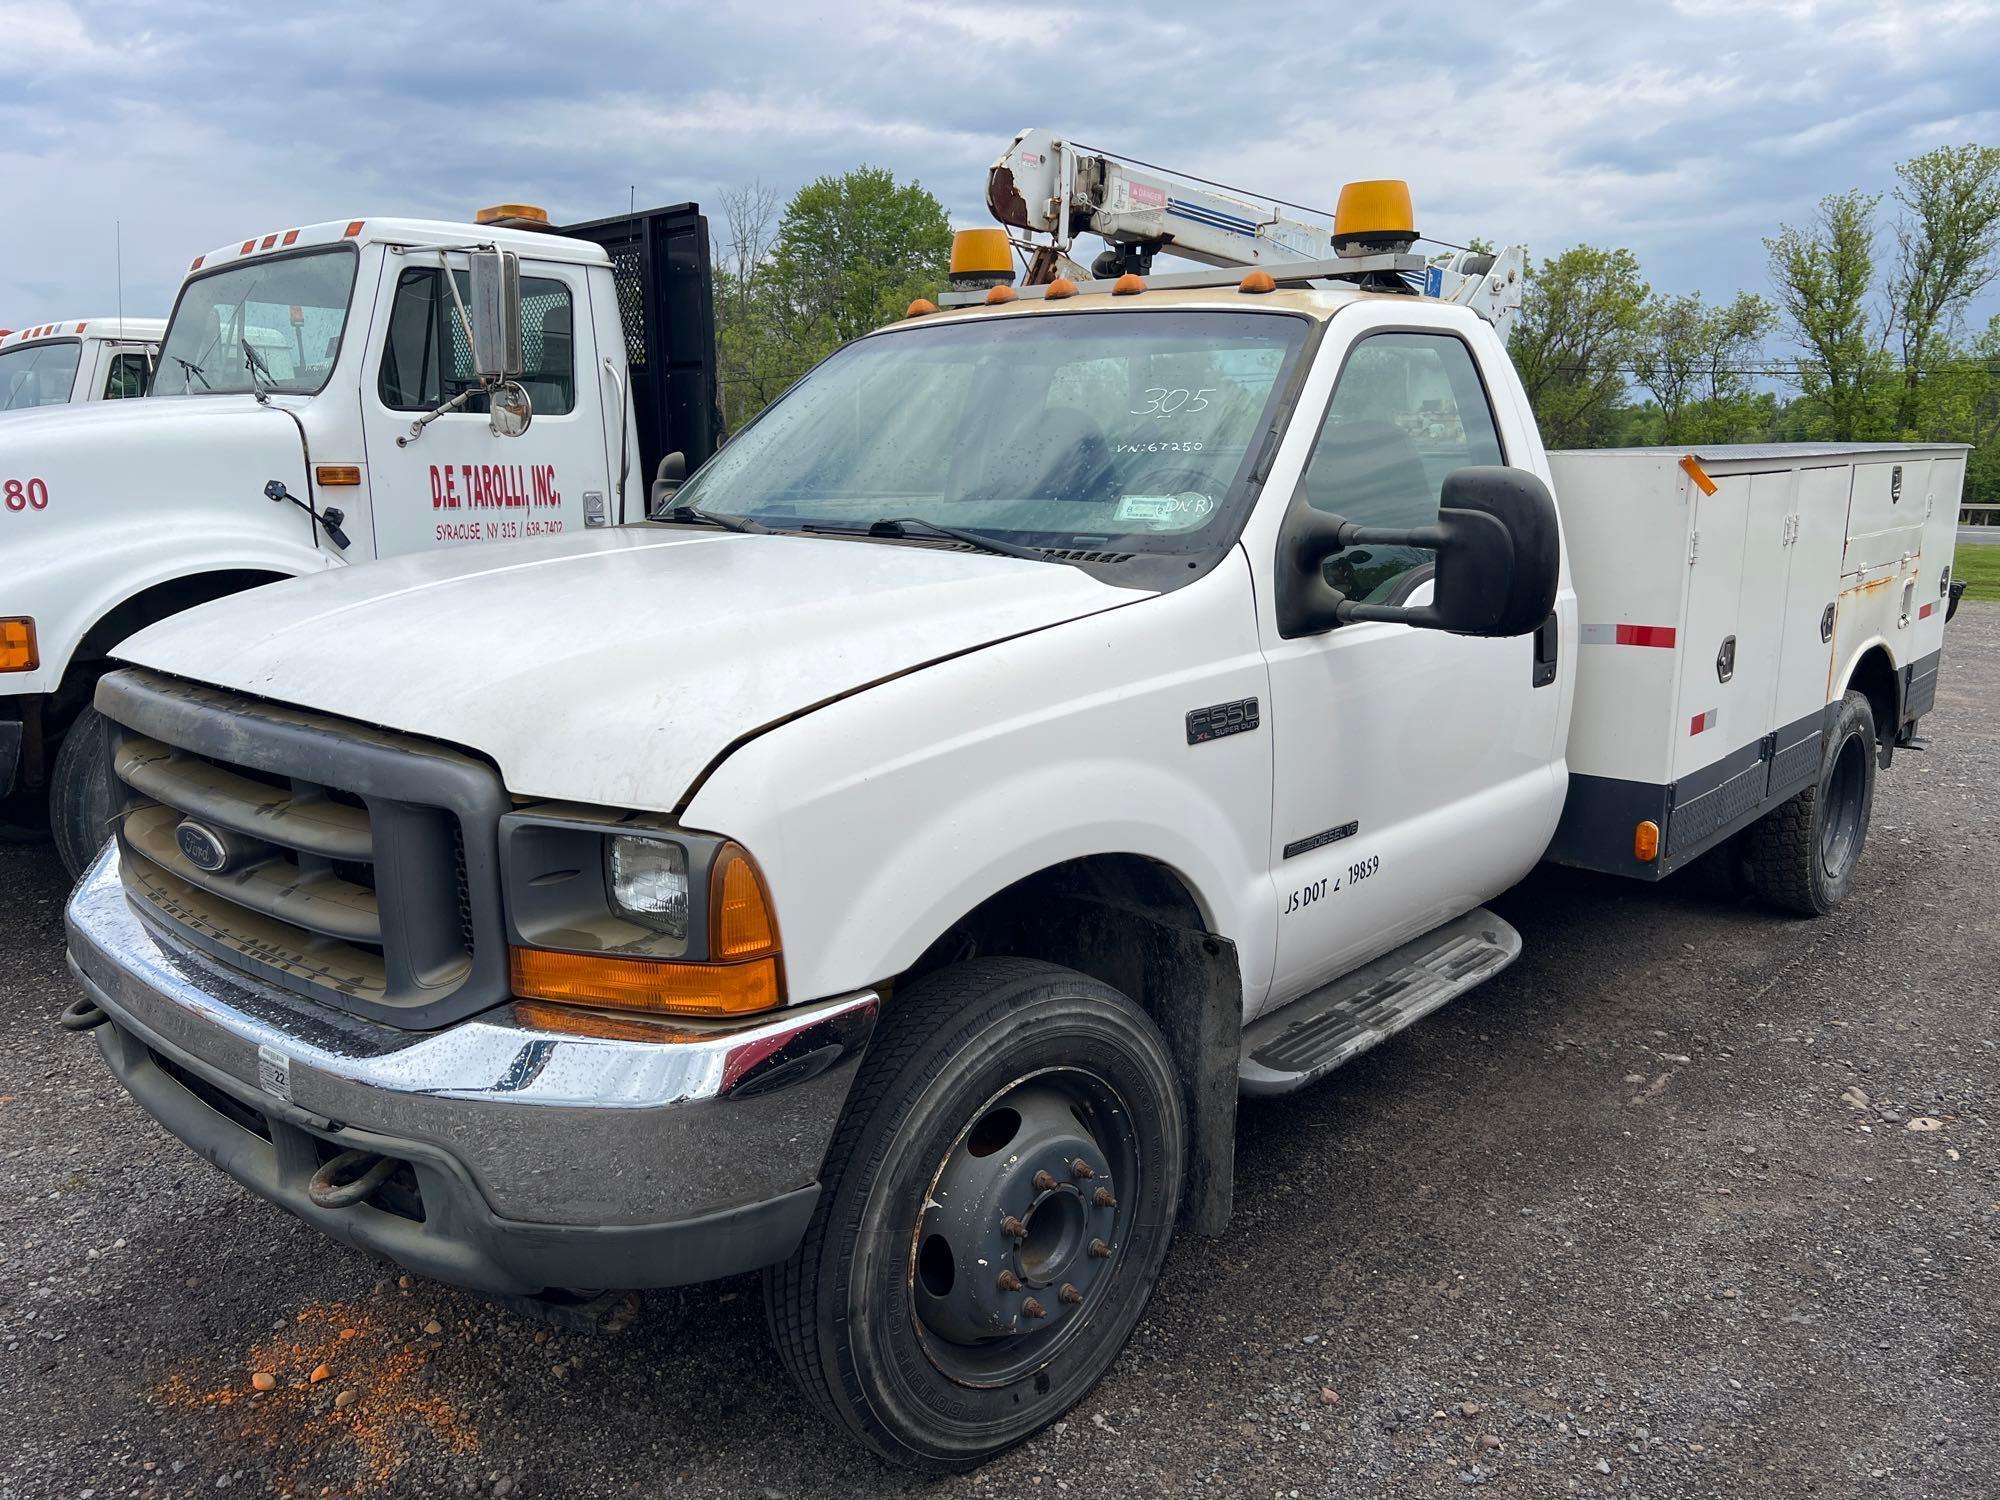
x=649, y=882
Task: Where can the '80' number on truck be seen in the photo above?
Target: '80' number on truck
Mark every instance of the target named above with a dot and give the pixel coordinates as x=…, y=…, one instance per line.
x=28, y=494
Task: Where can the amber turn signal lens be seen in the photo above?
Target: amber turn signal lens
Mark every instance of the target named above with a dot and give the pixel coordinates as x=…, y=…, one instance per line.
x=645, y=984
x=570, y=1020
x=338, y=473
x=740, y=920
x=18, y=652
x=1646, y=842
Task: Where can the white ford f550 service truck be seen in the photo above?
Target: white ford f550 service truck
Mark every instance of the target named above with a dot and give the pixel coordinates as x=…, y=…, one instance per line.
x=330, y=374
x=78, y=359
x=1048, y=721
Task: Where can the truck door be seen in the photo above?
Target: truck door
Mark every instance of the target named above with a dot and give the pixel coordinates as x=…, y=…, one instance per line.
x=1415, y=772
x=458, y=483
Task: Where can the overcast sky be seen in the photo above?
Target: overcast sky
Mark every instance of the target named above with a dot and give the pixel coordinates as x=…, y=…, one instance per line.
x=1684, y=130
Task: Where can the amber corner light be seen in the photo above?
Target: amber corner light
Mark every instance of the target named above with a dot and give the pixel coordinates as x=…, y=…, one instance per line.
x=1646, y=842
x=18, y=652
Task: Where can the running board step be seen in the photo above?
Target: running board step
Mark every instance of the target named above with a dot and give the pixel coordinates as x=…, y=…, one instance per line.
x=1307, y=1039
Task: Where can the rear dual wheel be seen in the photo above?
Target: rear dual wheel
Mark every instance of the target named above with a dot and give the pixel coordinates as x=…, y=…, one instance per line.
x=997, y=1204
x=1802, y=856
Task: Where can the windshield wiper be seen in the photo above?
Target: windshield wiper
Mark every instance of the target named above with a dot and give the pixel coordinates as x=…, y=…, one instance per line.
x=892, y=526
x=259, y=371
x=689, y=515
x=189, y=367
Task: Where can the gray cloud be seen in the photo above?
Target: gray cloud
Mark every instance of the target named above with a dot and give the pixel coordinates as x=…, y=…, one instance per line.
x=1687, y=131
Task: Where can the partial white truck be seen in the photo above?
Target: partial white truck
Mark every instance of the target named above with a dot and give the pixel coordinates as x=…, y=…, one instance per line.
x=1054, y=718
x=78, y=359
x=324, y=396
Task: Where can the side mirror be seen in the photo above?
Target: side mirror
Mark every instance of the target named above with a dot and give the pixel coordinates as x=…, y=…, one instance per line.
x=509, y=409
x=1497, y=560
x=495, y=312
x=667, y=480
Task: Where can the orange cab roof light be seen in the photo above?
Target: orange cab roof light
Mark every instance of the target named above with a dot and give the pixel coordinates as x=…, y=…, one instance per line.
x=1061, y=287
x=922, y=307
x=1128, y=285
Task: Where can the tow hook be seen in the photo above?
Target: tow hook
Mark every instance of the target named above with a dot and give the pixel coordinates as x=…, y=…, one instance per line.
x=332, y=1186
x=82, y=1015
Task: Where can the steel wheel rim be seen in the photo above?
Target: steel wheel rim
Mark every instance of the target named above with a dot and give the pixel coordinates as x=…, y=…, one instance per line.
x=1840, y=823
x=1063, y=1248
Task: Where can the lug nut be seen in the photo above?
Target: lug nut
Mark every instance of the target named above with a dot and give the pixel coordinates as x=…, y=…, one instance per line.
x=1009, y=1282
x=1080, y=1170
x=1103, y=1199
x=1013, y=1228
x=1070, y=1294
x=1044, y=1183
x=1099, y=1250
x=1034, y=1309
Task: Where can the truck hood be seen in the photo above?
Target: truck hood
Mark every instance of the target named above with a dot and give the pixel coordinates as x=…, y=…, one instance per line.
x=612, y=666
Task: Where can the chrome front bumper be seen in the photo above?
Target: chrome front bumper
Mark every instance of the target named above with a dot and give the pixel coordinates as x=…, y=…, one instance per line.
x=544, y=1158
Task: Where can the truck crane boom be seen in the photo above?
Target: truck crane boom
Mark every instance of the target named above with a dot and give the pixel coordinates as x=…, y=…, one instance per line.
x=1046, y=185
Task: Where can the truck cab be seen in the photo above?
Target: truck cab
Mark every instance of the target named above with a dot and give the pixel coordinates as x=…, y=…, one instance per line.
x=1057, y=716
x=78, y=359
x=315, y=405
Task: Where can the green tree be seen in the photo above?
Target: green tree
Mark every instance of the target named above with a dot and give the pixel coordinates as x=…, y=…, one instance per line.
x=1947, y=253
x=1823, y=274
x=850, y=254
x=1697, y=359
x=1580, y=328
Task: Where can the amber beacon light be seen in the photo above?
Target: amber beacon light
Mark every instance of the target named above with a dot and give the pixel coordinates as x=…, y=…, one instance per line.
x=1374, y=217
x=981, y=258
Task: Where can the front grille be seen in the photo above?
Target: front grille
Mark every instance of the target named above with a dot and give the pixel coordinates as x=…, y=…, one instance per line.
x=354, y=865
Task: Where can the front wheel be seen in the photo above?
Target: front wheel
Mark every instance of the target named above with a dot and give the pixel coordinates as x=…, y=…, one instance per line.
x=1802, y=855
x=82, y=797
x=997, y=1204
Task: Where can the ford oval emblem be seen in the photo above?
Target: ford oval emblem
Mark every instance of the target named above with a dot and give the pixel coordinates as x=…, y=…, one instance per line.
x=201, y=846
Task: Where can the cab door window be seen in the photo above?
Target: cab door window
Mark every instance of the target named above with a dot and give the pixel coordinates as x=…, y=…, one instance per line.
x=426, y=361
x=1409, y=409
x=129, y=376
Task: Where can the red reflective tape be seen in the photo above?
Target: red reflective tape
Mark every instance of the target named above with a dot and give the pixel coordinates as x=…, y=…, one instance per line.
x=1925, y=612
x=1646, y=635
x=1701, y=723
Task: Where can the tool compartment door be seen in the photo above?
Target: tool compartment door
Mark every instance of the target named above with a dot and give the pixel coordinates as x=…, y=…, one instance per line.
x=1805, y=649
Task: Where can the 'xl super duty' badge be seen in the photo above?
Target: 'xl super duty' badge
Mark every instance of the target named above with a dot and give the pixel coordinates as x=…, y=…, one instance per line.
x=1219, y=719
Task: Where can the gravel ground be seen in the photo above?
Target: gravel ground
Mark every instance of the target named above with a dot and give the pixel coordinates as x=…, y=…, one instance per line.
x=1692, y=1201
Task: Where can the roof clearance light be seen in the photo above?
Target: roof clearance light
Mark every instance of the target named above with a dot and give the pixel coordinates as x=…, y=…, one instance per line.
x=981, y=258
x=1000, y=294
x=291, y=237
x=197, y=262
x=1061, y=287
x=1374, y=216
x=248, y=246
x=1128, y=285
x=513, y=216
x=353, y=229
x=1256, y=282
x=920, y=307
x=81, y=326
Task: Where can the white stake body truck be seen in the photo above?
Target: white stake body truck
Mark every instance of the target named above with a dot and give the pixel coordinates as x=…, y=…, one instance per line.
x=79, y=359
x=327, y=373
x=1048, y=721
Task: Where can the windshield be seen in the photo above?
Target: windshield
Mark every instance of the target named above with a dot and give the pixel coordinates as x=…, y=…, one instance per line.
x=38, y=374
x=290, y=310
x=1124, y=429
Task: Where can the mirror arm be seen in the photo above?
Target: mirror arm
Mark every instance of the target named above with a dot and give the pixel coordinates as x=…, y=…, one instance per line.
x=451, y=281
x=417, y=427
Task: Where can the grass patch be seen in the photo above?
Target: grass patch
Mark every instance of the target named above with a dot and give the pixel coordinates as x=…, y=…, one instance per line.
x=1979, y=566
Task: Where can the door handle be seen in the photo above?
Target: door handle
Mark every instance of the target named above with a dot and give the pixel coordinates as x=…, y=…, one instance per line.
x=1546, y=648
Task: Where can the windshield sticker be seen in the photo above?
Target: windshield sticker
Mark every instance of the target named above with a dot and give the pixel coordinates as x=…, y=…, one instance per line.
x=1185, y=509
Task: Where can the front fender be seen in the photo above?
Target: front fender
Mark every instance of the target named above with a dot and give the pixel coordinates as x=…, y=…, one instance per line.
x=138, y=493
x=882, y=818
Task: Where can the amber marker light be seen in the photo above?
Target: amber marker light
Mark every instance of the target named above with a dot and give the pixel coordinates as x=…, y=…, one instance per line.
x=1061, y=287
x=18, y=652
x=1256, y=282
x=922, y=307
x=330, y=474
x=1128, y=285
x=999, y=294
x=1646, y=842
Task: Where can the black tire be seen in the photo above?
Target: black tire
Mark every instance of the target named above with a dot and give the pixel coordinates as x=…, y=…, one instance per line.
x=852, y=1312
x=1803, y=854
x=82, y=800
x=1722, y=874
